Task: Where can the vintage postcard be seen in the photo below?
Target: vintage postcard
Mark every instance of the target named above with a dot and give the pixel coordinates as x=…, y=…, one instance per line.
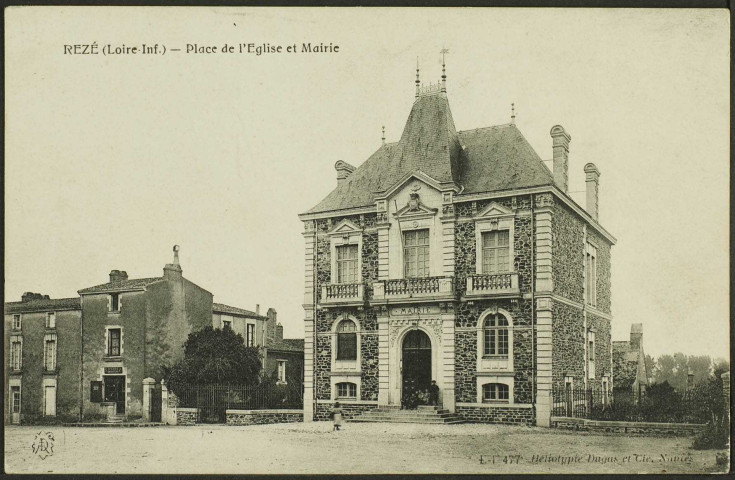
x=366, y=240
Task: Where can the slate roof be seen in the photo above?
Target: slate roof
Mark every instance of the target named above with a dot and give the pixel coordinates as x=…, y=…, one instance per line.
x=288, y=345
x=44, y=305
x=222, y=308
x=493, y=158
x=121, y=285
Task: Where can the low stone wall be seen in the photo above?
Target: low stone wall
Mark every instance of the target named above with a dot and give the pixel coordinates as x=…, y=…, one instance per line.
x=350, y=409
x=497, y=414
x=186, y=416
x=627, y=428
x=262, y=417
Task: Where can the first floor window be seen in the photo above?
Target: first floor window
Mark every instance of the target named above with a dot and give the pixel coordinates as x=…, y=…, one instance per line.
x=226, y=324
x=495, y=252
x=591, y=274
x=416, y=253
x=496, y=335
x=16, y=354
x=16, y=322
x=282, y=371
x=250, y=335
x=50, y=355
x=346, y=340
x=347, y=264
x=114, y=302
x=51, y=320
x=113, y=342
x=492, y=392
x=346, y=390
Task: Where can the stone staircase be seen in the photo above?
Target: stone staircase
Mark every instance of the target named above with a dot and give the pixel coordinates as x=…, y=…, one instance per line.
x=422, y=414
x=115, y=418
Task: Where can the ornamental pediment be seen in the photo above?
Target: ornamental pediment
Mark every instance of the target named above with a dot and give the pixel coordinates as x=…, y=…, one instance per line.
x=345, y=227
x=494, y=210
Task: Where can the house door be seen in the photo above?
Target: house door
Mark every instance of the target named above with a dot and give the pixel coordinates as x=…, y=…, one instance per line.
x=49, y=400
x=114, y=391
x=416, y=365
x=15, y=405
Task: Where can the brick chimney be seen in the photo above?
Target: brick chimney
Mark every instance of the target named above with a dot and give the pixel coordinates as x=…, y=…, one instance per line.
x=118, y=275
x=344, y=170
x=30, y=296
x=592, y=179
x=560, y=147
x=636, y=336
x=279, y=332
x=270, y=325
x=172, y=271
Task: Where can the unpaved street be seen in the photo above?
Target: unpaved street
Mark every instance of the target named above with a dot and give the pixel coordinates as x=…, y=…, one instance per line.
x=359, y=448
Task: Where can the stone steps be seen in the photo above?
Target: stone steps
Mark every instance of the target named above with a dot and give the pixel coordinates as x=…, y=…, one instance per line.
x=423, y=414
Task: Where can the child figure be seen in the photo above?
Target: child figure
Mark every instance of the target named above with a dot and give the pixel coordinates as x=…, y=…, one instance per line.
x=337, y=416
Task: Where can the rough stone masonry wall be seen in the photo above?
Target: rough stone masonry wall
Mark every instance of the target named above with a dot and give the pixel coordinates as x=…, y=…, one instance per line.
x=465, y=361
x=603, y=341
x=263, y=417
x=567, y=254
x=628, y=428
x=369, y=262
x=603, y=271
x=567, y=354
x=515, y=416
x=187, y=416
x=350, y=410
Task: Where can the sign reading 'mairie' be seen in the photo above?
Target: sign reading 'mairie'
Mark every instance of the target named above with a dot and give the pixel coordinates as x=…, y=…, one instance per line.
x=113, y=370
x=418, y=310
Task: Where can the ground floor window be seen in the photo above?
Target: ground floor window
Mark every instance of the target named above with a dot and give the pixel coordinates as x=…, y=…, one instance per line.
x=16, y=399
x=494, y=392
x=346, y=390
x=282, y=371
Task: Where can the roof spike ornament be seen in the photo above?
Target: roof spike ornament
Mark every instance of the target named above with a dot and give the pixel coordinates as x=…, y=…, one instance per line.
x=513, y=113
x=418, y=82
x=383, y=134
x=444, y=70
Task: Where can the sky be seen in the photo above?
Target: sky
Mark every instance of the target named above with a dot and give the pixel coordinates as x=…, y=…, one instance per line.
x=110, y=160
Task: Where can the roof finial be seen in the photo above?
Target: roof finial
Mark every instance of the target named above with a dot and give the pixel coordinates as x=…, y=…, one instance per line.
x=513, y=113
x=383, y=134
x=444, y=71
x=176, y=255
x=418, y=82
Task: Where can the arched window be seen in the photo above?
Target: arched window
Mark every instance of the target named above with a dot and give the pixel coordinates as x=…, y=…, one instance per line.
x=495, y=335
x=346, y=390
x=346, y=340
x=495, y=392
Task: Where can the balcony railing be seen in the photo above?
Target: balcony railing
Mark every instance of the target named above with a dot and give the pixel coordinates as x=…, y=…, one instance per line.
x=491, y=285
x=422, y=287
x=342, y=293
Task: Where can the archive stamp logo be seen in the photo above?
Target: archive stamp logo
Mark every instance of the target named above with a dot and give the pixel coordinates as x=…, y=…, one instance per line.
x=43, y=444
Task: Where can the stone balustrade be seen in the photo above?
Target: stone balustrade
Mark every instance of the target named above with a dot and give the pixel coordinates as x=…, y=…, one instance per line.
x=500, y=284
x=414, y=288
x=342, y=293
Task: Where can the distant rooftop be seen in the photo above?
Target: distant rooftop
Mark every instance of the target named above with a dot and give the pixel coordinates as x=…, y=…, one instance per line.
x=121, y=285
x=288, y=345
x=222, y=308
x=43, y=305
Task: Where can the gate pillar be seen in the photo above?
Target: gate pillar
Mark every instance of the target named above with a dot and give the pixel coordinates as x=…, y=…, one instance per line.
x=148, y=385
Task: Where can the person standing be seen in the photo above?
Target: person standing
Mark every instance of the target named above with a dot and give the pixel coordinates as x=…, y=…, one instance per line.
x=337, y=416
x=433, y=393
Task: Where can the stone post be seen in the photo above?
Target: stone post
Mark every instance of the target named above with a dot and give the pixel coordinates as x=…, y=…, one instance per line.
x=148, y=385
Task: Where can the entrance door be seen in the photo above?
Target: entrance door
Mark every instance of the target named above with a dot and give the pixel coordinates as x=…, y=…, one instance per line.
x=416, y=366
x=49, y=400
x=115, y=391
x=15, y=405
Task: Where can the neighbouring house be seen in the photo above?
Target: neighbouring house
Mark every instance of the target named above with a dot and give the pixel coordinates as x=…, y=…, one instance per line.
x=631, y=375
x=87, y=357
x=456, y=256
x=284, y=358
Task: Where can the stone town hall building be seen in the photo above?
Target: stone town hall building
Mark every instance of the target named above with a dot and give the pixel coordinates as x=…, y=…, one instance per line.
x=457, y=257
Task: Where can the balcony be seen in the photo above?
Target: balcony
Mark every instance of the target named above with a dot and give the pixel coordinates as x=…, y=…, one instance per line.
x=488, y=286
x=423, y=288
x=343, y=294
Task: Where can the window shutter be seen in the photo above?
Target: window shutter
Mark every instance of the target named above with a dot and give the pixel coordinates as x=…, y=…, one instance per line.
x=109, y=303
x=119, y=302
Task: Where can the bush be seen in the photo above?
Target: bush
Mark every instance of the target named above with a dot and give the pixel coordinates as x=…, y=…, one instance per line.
x=715, y=435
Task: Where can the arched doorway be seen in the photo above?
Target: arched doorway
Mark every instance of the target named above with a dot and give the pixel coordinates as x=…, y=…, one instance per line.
x=416, y=364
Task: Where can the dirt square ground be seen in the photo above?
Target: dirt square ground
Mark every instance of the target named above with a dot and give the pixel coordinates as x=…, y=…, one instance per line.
x=357, y=449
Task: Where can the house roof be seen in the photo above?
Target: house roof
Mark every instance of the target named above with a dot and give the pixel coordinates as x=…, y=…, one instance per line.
x=121, y=285
x=480, y=160
x=288, y=345
x=44, y=305
x=222, y=308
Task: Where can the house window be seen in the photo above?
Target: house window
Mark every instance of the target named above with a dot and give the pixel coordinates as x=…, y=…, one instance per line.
x=114, y=302
x=49, y=355
x=495, y=392
x=282, y=371
x=113, y=342
x=347, y=264
x=16, y=399
x=227, y=324
x=16, y=354
x=416, y=253
x=51, y=320
x=16, y=322
x=591, y=354
x=250, y=335
x=496, y=335
x=346, y=390
x=495, y=252
x=591, y=275
x=347, y=340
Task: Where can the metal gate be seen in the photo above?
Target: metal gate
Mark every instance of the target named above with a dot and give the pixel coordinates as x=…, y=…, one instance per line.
x=213, y=401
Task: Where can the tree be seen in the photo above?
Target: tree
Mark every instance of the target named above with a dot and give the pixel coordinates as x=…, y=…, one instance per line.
x=214, y=356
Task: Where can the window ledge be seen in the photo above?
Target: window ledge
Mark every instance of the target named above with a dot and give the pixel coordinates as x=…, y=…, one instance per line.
x=495, y=357
x=339, y=373
x=279, y=382
x=114, y=312
x=496, y=402
x=108, y=358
